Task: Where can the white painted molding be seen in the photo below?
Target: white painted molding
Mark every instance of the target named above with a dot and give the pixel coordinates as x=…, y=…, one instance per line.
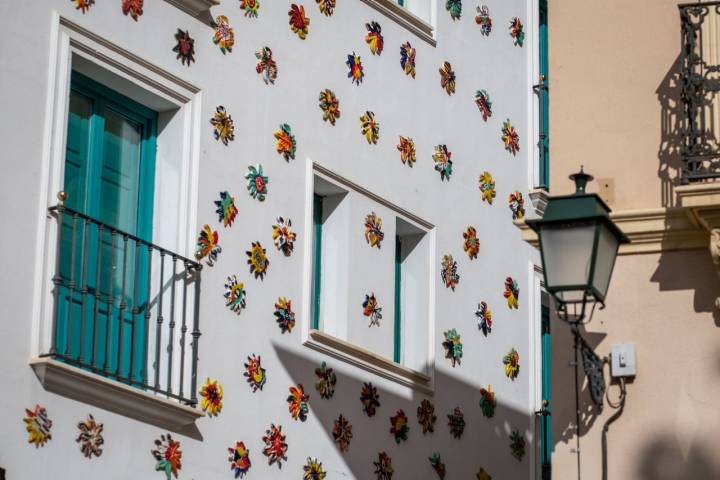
x=403, y=17
x=194, y=7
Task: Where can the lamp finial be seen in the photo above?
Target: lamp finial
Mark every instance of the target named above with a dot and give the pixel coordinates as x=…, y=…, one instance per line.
x=581, y=179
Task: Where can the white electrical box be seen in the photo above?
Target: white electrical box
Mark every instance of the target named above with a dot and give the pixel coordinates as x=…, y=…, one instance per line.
x=622, y=360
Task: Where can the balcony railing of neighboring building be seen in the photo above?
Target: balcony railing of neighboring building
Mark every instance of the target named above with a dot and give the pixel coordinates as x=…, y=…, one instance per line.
x=125, y=308
x=700, y=84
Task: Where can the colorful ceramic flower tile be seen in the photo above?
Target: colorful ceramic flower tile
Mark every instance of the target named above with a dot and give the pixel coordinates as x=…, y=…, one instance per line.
x=38, y=425
x=298, y=403
x=266, y=65
x=437, y=464
x=226, y=209
x=326, y=381
x=407, y=150
x=512, y=364
x=212, y=396
x=207, y=246
x=516, y=32
x=313, y=470
x=426, y=416
x=471, y=244
x=223, y=125
x=399, y=426
x=456, y=422
x=168, y=455
x=372, y=310
x=453, y=347
x=330, y=106
x=454, y=7
x=370, y=398
x=370, y=128
x=327, y=7
x=275, y=445
x=355, y=72
x=134, y=8
x=224, y=34
x=447, y=78
x=239, y=459
x=258, y=261
x=342, y=433
x=83, y=5
x=449, y=272
x=298, y=21
x=257, y=182
x=517, y=205
x=90, y=437
x=510, y=138
x=234, y=295
x=407, y=59
x=285, y=144
x=373, y=230
x=283, y=236
x=487, y=402
x=484, y=318
x=250, y=7
x=443, y=163
x=185, y=47
x=482, y=100
x=483, y=19
x=511, y=293
x=374, y=38
x=487, y=187
x=483, y=475
x=517, y=445
x=383, y=467
x=254, y=373
x=284, y=316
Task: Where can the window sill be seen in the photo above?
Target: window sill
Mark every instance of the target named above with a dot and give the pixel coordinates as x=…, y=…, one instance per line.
x=194, y=7
x=78, y=384
x=404, y=18
x=369, y=361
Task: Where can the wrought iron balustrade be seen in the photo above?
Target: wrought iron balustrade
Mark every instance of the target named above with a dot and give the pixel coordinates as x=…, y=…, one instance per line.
x=125, y=308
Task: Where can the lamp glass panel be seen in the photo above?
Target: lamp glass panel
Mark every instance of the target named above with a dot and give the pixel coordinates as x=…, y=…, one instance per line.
x=567, y=254
x=571, y=296
x=607, y=252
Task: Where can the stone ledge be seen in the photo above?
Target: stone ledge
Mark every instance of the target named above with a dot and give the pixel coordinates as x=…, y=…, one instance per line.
x=403, y=17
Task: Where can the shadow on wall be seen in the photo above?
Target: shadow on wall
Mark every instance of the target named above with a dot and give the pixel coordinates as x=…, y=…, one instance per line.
x=662, y=460
x=671, y=112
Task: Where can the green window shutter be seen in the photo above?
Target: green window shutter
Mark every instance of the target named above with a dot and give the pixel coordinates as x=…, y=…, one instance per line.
x=546, y=419
x=317, y=257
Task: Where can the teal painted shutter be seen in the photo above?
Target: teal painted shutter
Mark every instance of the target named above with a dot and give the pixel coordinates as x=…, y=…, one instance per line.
x=546, y=418
x=317, y=256
x=544, y=120
x=398, y=298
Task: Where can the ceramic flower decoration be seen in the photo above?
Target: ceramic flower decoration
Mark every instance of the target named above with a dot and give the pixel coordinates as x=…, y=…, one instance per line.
x=407, y=151
x=487, y=402
x=284, y=316
x=449, y=272
x=255, y=373
x=355, y=72
x=342, y=433
x=257, y=182
x=453, y=347
x=283, y=236
x=266, y=65
x=516, y=32
x=168, y=455
x=456, y=422
x=383, y=467
x=298, y=403
x=447, y=78
x=484, y=318
x=517, y=445
x=239, y=459
x=207, y=246
x=510, y=137
x=223, y=125
x=329, y=105
x=407, y=59
x=185, y=47
x=234, y=295
x=483, y=475
x=90, y=437
x=471, y=244
x=258, y=261
x=517, y=205
x=38, y=425
x=212, y=396
x=224, y=34
x=483, y=19
x=482, y=100
x=326, y=7
x=83, y=5
x=426, y=416
x=454, y=7
x=313, y=470
x=437, y=464
x=134, y=8
x=374, y=37
x=399, y=426
x=486, y=184
x=298, y=21
x=443, y=163
x=226, y=209
x=326, y=381
x=370, y=128
x=275, y=445
x=370, y=398
x=511, y=293
x=372, y=310
x=285, y=142
x=373, y=230
x=512, y=364
x=250, y=7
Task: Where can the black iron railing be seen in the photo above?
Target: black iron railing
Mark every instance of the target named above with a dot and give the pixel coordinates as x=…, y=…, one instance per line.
x=124, y=307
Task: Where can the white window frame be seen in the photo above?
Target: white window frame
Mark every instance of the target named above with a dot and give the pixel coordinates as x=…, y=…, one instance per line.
x=423, y=28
